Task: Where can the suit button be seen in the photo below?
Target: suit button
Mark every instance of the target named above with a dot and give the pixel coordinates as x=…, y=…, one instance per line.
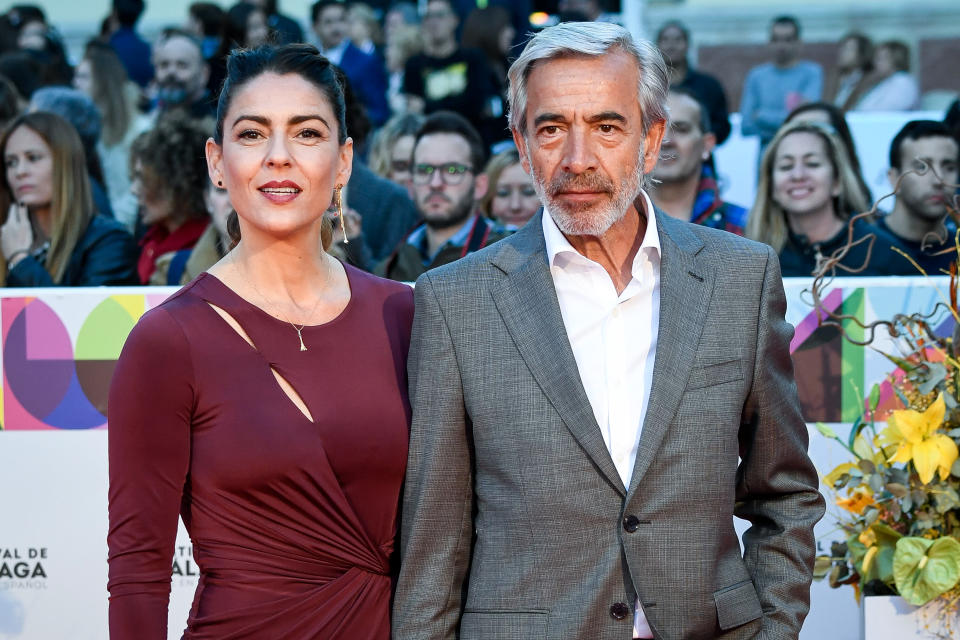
x=619, y=610
x=630, y=523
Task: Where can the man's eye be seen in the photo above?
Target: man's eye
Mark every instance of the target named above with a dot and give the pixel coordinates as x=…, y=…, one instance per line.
x=550, y=129
x=607, y=128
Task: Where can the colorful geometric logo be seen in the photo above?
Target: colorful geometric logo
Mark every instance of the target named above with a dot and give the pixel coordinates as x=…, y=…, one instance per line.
x=59, y=355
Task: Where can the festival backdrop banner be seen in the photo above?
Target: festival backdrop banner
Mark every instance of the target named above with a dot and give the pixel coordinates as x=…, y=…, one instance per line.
x=59, y=349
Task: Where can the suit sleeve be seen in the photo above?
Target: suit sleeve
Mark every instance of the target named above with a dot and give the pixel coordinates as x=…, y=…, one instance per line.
x=777, y=488
x=150, y=408
x=437, y=525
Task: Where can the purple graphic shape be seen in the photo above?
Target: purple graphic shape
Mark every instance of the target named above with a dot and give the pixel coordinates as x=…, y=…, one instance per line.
x=39, y=385
x=47, y=338
x=809, y=324
x=75, y=412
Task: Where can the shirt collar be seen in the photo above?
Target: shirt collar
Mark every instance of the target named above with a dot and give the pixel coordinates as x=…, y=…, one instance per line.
x=419, y=239
x=557, y=243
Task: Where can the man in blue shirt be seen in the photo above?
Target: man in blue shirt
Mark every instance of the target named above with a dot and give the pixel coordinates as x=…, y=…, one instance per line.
x=132, y=50
x=774, y=89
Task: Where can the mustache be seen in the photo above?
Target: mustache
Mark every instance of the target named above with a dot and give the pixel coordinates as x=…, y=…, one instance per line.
x=589, y=181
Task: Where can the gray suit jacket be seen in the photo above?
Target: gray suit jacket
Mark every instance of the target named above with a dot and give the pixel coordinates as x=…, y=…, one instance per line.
x=515, y=522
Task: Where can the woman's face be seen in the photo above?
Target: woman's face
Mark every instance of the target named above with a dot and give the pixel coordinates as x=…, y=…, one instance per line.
x=883, y=62
x=257, y=30
x=31, y=36
x=515, y=200
x=83, y=77
x=506, y=39
x=401, y=157
x=29, y=163
x=154, y=209
x=848, y=55
x=803, y=176
x=280, y=159
x=219, y=206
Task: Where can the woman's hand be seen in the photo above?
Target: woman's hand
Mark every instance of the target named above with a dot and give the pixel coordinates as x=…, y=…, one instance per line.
x=16, y=235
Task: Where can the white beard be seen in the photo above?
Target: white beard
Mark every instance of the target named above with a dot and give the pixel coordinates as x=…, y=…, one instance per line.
x=590, y=219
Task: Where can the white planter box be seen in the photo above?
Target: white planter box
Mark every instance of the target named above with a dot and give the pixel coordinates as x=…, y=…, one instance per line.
x=891, y=618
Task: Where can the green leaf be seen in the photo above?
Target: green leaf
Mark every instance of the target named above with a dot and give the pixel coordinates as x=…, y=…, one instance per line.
x=946, y=499
x=936, y=374
x=867, y=466
x=821, y=567
x=953, y=433
x=826, y=431
x=955, y=469
x=855, y=431
x=897, y=489
x=874, y=397
x=900, y=362
x=923, y=569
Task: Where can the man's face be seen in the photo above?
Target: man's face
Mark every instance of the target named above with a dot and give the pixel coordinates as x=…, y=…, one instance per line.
x=673, y=45
x=785, y=43
x=445, y=183
x=928, y=174
x=585, y=146
x=331, y=26
x=180, y=69
x=686, y=146
x=439, y=22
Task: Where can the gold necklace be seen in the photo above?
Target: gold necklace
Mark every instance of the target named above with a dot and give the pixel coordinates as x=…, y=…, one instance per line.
x=276, y=312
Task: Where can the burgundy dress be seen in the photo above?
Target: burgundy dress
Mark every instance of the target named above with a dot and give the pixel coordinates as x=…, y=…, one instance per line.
x=292, y=521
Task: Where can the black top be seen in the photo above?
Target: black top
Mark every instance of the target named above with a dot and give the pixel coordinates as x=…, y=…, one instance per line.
x=929, y=256
x=798, y=258
x=710, y=93
x=460, y=82
x=105, y=255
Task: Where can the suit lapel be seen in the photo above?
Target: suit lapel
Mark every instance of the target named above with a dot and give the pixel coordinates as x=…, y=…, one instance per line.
x=527, y=302
x=686, y=284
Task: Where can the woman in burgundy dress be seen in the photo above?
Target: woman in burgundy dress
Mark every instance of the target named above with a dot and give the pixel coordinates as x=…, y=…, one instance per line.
x=265, y=402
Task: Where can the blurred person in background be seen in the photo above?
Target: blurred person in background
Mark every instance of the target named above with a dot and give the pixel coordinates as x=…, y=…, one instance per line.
x=685, y=184
x=53, y=235
x=366, y=72
x=491, y=31
x=673, y=40
x=284, y=28
x=132, y=50
x=511, y=199
x=399, y=15
x=806, y=195
x=169, y=177
x=391, y=154
x=364, y=29
x=102, y=77
x=78, y=109
x=852, y=74
x=183, y=266
x=404, y=43
x=925, y=170
x=211, y=25
x=894, y=88
x=446, y=76
x=36, y=37
x=832, y=116
x=23, y=70
x=774, y=89
x=181, y=76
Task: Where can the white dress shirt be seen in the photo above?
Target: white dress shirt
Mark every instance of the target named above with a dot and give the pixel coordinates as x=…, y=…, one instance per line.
x=614, y=341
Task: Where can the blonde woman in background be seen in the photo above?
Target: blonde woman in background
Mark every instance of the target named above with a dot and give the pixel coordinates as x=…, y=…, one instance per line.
x=510, y=199
x=807, y=193
x=52, y=235
x=101, y=76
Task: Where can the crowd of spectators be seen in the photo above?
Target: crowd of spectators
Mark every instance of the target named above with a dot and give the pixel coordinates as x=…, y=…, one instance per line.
x=106, y=181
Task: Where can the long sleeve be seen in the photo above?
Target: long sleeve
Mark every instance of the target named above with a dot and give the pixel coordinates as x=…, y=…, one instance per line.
x=437, y=527
x=749, y=103
x=812, y=87
x=150, y=406
x=777, y=488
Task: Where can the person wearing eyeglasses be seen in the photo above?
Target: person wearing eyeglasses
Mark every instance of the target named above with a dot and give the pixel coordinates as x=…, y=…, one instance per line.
x=448, y=181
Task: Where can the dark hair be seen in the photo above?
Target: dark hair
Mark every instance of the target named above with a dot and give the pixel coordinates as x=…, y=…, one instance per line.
x=864, y=49
x=790, y=20
x=482, y=29
x=24, y=70
x=450, y=122
x=674, y=24
x=838, y=122
x=9, y=101
x=301, y=59
x=952, y=119
x=916, y=130
x=210, y=16
x=355, y=114
x=317, y=8
x=128, y=11
x=899, y=53
x=21, y=14
x=174, y=164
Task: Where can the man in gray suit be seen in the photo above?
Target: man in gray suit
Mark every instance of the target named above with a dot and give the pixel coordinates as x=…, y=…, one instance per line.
x=597, y=396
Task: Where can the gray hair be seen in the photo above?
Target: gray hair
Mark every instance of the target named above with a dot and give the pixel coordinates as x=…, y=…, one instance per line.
x=590, y=39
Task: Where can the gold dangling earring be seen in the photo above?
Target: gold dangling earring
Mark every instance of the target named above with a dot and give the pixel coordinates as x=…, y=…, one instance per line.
x=339, y=201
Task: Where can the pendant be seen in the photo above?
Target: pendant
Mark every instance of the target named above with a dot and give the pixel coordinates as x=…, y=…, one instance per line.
x=303, y=347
